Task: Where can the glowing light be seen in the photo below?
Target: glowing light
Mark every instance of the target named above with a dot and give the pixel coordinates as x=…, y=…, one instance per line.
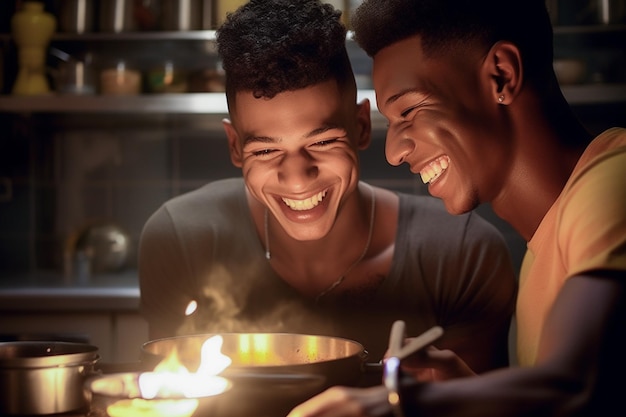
x=138, y=407
x=262, y=349
x=191, y=308
x=255, y=349
x=171, y=377
x=212, y=361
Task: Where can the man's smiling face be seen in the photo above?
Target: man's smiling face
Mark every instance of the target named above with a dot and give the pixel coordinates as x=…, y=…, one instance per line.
x=442, y=121
x=299, y=153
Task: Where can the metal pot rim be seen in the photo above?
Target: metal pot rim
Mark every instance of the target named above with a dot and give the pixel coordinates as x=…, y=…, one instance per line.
x=41, y=354
x=290, y=335
x=360, y=352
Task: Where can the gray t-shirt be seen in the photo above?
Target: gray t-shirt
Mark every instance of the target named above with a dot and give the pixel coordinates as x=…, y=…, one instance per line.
x=452, y=271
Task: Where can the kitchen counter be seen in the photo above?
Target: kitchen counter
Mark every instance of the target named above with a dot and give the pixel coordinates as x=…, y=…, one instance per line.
x=53, y=292
x=102, y=310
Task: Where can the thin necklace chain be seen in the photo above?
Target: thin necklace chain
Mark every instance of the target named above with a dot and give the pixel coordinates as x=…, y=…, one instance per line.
x=268, y=253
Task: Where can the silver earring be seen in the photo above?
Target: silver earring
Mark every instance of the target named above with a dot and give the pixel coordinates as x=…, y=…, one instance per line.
x=501, y=98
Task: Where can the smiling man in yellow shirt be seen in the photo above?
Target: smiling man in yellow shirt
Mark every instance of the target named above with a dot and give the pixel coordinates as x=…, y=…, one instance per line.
x=470, y=94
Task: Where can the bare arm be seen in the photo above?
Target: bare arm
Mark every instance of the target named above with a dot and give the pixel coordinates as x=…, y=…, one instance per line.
x=581, y=354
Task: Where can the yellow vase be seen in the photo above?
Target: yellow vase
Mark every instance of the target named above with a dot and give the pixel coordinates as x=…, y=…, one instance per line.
x=32, y=29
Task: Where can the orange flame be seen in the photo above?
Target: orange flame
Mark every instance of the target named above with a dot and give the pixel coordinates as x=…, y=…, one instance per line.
x=171, y=390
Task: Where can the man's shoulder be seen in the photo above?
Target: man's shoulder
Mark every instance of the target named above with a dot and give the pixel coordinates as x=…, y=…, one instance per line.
x=213, y=203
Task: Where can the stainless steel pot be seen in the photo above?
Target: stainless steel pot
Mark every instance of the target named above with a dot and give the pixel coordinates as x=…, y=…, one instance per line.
x=339, y=360
x=44, y=377
x=271, y=372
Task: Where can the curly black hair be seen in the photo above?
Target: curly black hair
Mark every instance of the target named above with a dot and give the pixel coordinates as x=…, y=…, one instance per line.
x=271, y=46
x=444, y=26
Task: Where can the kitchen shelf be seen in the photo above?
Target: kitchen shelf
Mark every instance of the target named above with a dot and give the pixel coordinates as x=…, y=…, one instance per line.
x=192, y=103
x=209, y=35
x=215, y=103
x=594, y=93
x=194, y=35
x=588, y=29
x=188, y=103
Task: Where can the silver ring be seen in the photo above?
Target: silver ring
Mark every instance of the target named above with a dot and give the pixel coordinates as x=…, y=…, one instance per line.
x=391, y=379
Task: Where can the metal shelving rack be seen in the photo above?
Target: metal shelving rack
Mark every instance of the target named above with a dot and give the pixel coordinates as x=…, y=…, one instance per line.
x=215, y=103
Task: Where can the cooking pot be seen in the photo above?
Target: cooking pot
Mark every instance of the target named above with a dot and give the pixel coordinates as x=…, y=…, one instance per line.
x=44, y=377
x=271, y=372
x=338, y=360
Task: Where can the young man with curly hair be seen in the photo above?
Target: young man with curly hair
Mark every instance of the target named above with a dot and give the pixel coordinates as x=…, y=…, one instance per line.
x=300, y=244
x=468, y=86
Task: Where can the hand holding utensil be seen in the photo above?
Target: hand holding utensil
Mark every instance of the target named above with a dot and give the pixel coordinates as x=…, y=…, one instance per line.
x=396, y=352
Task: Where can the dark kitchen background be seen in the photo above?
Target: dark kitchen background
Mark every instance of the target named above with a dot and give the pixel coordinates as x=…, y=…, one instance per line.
x=83, y=163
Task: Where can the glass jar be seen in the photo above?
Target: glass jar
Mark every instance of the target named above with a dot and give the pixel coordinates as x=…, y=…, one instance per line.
x=166, y=78
x=120, y=80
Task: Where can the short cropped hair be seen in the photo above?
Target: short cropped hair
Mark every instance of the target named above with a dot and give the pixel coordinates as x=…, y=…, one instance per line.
x=447, y=25
x=272, y=46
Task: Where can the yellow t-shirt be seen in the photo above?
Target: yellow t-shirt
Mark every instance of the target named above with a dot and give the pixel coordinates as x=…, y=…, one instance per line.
x=584, y=230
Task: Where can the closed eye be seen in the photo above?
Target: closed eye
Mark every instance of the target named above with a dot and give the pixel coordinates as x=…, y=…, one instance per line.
x=263, y=152
x=326, y=142
x=408, y=111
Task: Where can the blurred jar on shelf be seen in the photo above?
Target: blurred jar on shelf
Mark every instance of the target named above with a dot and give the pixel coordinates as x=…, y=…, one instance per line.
x=75, y=76
x=611, y=11
x=116, y=16
x=147, y=14
x=185, y=15
x=120, y=79
x=76, y=16
x=166, y=78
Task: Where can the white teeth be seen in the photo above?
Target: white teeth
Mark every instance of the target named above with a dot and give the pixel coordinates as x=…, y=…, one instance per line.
x=306, y=204
x=434, y=169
